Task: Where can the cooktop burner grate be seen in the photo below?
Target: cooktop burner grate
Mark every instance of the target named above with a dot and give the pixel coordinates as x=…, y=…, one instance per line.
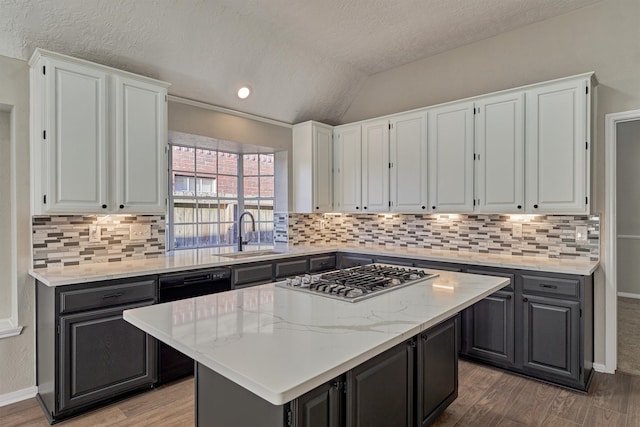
x=358, y=283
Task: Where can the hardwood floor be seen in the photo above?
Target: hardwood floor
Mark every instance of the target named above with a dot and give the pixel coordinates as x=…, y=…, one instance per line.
x=487, y=397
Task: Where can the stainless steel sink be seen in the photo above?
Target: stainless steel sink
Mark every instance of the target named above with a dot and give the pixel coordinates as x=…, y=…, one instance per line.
x=249, y=254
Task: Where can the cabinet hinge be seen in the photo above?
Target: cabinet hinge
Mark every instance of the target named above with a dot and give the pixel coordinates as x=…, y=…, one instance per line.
x=44, y=69
x=44, y=199
x=58, y=329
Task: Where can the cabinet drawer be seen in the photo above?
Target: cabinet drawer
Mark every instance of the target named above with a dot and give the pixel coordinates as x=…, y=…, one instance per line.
x=253, y=273
x=291, y=268
x=107, y=296
x=322, y=263
x=551, y=286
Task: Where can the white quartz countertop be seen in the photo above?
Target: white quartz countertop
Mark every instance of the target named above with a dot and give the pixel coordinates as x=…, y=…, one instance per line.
x=280, y=343
x=202, y=258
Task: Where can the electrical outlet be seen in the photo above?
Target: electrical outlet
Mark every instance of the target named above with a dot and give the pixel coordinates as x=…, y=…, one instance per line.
x=582, y=234
x=321, y=224
x=139, y=231
x=516, y=230
x=95, y=233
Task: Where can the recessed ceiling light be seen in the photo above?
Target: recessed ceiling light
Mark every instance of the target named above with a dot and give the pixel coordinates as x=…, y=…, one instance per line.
x=244, y=92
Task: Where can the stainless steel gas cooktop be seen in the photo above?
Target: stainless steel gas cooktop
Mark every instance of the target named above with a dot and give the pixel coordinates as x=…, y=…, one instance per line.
x=358, y=283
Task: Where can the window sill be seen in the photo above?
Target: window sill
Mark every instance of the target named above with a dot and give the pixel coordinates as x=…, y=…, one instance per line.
x=8, y=329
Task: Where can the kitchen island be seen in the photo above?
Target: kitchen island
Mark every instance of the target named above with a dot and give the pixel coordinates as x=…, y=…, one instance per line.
x=270, y=345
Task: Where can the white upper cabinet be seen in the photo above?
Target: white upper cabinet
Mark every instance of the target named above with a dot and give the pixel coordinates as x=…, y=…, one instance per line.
x=72, y=138
x=348, y=169
x=500, y=153
x=408, y=158
x=140, y=129
x=375, y=166
x=451, y=158
x=557, y=153
x=312, y=167
x=98, y=138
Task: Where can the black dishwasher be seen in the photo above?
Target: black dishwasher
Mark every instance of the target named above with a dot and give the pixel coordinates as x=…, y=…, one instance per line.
x=172, y=364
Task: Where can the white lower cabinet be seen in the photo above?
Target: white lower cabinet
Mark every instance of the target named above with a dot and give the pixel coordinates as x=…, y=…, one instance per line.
x=98, y=138
x=451, y=158
x=499, y=138
x=557, y=140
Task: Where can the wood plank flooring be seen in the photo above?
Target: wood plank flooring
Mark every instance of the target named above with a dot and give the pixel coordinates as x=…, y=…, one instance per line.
x=487, y=397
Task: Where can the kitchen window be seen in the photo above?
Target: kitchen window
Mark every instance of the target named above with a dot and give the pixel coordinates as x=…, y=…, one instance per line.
x=210, y=188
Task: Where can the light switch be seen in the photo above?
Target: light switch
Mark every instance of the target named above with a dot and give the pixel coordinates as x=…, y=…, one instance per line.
x=140, y=231
x=582, y=235
x=516, y=230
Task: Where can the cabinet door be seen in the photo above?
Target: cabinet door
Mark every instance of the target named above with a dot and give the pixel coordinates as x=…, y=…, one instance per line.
x=380, y=391
x=551, y=337
x=408, y=157
x=140, y=147
x=557, y=126
x=375, y=166
x=102, y=356
x=75, y=132
x=451, y=158
x=488, y=329
x=322, y=169
x=321, y=407
x=437, y=374
x=500, y=153
x=348, y=169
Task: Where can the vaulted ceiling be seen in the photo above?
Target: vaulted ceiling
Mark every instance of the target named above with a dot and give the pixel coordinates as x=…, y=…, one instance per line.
x=304, y=59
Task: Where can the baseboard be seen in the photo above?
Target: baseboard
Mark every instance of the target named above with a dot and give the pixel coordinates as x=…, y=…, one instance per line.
x=628, y=295
x=17, y=396
x=599, y=367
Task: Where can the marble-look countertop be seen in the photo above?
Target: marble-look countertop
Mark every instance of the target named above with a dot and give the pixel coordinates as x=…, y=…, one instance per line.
x=280, y=343
x=183, y=260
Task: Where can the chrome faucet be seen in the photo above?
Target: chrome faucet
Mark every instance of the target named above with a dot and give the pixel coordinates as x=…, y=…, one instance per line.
x=253, y=225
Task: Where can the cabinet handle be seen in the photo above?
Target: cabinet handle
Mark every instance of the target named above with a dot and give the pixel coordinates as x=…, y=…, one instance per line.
x=424, y=337
x=519, y=206
x=535, y=206
x=525, y=299
x=357, y=207
x=121, y=206
x=364, y=207
x=424, y=207
x=116, y=295
x=544, y=285
x=104, y=206
x=508, y=297
x=317, y=207
x=433, y=207
x=323, y=263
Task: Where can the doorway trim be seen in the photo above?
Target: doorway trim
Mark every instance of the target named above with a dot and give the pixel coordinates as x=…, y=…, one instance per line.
x=611, y=268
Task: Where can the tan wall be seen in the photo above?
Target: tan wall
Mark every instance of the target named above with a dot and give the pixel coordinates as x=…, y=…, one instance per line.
x=6, y=291
x=604, y=38
x=17, y=354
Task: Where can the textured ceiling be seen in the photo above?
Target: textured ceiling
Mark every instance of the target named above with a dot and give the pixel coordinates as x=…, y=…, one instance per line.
x=304, y=59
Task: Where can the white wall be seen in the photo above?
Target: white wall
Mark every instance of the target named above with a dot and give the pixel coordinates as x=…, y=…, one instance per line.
x=17, y=354
x=628, y=206
x=604, y=38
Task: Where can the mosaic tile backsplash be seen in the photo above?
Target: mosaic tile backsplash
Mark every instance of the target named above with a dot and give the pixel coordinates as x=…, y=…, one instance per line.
x=550, y=236
x=63, y=240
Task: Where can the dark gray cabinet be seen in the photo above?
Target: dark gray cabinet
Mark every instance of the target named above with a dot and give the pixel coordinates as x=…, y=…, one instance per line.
x=321, y=407
x=380, y=391
x=322, y=263
x=290, y=267
x=488, y=329
x=551, y=331
x=252, y=274
x=102, y=356
x=351, y=260
x=87, y=354
x=437, y=371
